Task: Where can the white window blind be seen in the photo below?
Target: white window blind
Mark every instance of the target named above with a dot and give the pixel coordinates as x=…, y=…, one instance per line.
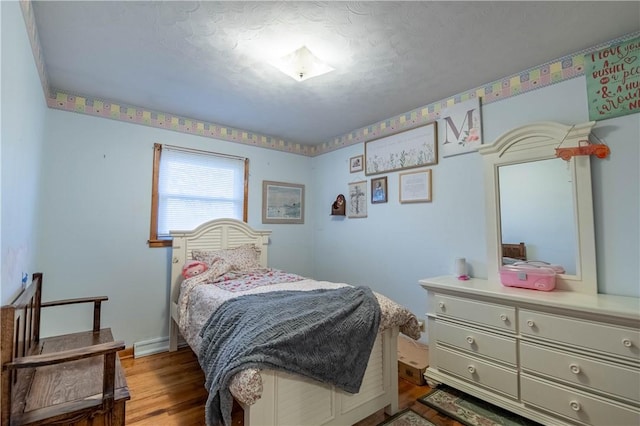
x=195, y=187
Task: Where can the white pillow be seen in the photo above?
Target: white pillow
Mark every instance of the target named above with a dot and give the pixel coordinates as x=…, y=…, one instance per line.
x=239, y=258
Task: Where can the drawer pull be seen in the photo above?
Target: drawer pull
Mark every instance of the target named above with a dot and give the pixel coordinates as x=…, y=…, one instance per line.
x=470, y=340
x=530, y=323
x=471, y=369
x=627, y=343
x=441, y=304
x=575, y=405
x=575, y=368
x=503, y=317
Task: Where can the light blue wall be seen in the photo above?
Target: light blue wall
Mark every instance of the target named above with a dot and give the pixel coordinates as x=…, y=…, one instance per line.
x=23, y=110
x=615, y=180
x=398, y=244
x=93, y=204
x=616, y=199
x=96, y=203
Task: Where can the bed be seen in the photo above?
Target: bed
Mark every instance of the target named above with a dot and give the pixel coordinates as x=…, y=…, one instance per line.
x=514, y=251
x=275, y=397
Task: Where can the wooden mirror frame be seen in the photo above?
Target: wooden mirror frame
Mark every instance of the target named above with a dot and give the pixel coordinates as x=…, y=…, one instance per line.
x=534, y=142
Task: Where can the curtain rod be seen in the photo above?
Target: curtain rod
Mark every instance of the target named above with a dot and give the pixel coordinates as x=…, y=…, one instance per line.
x=200, y=151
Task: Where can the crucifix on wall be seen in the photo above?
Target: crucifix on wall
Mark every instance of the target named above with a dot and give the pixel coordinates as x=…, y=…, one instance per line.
x=358, y=199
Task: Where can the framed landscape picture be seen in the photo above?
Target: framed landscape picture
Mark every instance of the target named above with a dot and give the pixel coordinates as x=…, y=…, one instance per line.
x=282, y=202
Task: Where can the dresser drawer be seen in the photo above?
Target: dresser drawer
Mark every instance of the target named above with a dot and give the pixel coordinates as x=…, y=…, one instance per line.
x=501, y=348
x=499, y=316
x=599, y=337
x=576, y=405
x=609, y=378
x=480, y=372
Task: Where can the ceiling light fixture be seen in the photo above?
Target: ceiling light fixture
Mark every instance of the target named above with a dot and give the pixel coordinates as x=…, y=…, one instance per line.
x=301, y=65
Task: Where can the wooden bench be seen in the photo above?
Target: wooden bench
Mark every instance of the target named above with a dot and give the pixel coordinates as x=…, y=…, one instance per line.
x=73, y=379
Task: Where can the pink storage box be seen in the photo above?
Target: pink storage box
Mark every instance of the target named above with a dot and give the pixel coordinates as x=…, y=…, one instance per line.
x=532, y=275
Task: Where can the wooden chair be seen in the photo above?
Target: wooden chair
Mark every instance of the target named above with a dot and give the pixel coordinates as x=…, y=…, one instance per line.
x=514, y=251
x=72, y=379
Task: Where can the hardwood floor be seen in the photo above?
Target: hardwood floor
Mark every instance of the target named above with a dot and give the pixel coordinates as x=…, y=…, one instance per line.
x=168, y=389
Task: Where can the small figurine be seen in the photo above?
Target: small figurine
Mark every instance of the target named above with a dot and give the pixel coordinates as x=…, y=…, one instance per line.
x=339, y=206
x=193, y=268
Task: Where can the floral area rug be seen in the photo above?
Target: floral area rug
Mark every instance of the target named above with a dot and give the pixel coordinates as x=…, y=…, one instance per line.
x=471, y=411
x=407, y=417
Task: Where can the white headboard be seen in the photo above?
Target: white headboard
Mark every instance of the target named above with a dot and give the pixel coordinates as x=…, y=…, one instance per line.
x=213, y=235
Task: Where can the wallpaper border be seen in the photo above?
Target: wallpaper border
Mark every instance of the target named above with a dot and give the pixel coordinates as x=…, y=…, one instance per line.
x=562, y=69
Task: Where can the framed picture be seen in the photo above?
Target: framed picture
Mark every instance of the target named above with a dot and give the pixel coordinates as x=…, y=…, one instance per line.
x=411, y=148
x=357, y=199
x=460, y=128
x=282, y=202
x=356, y=164
x=379, y=190
x=415, y=187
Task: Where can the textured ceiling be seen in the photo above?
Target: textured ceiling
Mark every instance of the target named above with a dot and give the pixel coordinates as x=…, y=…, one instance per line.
x=209, y=60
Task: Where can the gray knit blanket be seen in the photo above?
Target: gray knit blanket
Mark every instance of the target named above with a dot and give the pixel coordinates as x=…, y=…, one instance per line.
x=326, y=335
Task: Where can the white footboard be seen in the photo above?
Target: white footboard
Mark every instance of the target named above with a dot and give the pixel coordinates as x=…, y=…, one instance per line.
x=289, y=400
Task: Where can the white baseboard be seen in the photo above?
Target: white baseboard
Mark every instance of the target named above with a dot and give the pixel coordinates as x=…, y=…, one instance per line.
x=154, y=346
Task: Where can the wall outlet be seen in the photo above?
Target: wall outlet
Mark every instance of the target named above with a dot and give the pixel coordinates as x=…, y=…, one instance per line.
x=421, y=324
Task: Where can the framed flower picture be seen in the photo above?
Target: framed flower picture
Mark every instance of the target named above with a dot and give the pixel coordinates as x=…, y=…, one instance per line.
x=410, y=148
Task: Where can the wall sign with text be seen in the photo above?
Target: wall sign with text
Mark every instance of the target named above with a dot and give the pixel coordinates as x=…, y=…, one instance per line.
x=613, y=80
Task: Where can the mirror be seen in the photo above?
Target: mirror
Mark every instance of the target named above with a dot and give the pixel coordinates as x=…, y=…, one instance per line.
x=536, y=198
x=549, y=233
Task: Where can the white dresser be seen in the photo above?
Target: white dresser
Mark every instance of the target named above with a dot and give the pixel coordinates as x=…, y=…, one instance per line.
x=555, y=357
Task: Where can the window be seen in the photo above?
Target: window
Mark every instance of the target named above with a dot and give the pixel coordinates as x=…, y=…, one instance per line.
x=191, y=187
